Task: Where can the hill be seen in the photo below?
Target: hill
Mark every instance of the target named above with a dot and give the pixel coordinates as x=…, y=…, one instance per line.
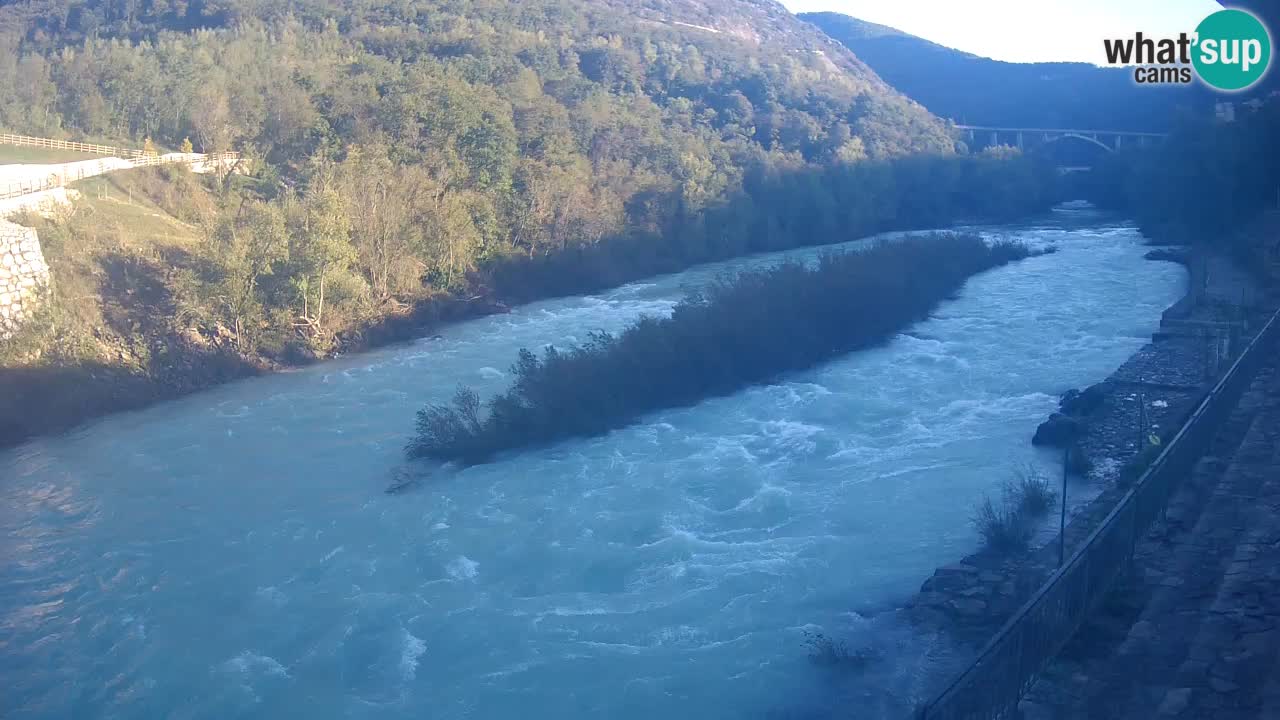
x=422, y=160
x=976, y=90
x=744, y=68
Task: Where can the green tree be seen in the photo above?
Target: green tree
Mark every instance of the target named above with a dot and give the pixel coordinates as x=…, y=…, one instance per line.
x=321, y=253
x=248, y=241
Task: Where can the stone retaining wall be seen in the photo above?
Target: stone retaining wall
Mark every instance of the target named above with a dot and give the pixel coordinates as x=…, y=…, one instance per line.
x=24, y=276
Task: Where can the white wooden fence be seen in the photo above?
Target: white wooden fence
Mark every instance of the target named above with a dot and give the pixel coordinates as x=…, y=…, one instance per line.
x=28, y=141
x=63, y=174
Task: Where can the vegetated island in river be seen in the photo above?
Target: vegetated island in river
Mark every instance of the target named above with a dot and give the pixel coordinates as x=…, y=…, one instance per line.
x=739, y=331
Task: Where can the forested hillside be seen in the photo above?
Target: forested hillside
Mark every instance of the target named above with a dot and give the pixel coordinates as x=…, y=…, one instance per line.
x=411, y=155
x=976, y=90
x=746, y=76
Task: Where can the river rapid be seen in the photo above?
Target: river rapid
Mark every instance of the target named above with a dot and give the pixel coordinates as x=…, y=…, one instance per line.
x=233, y=554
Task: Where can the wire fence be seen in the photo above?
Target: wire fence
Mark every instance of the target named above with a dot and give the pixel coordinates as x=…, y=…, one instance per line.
x=990, y=688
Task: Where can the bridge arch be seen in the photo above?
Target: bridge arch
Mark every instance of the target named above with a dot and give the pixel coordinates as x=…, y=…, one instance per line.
x=1109, y=140
x=1085, y=138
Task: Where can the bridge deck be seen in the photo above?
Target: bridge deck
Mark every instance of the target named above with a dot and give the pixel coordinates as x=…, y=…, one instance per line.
x=1061, y=131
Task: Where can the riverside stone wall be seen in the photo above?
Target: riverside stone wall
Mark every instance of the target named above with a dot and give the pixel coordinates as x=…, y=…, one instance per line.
x=24, y=276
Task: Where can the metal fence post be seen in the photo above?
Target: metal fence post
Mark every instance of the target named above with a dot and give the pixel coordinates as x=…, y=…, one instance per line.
x=1142, y=423
x=992, y=685
x=1062, y=515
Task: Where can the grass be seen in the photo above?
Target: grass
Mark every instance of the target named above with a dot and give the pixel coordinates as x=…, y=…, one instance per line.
x=134, y=202
x=126, y=322
x=116, y=257
x=1006, y=527
x=1004, y=530
x=19, y=155
x=1033, y=492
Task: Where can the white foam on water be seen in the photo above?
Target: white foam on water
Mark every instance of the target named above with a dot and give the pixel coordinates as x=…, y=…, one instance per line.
x=250, y=663
x=463, y=568
x=413, y=649
x=665, y=569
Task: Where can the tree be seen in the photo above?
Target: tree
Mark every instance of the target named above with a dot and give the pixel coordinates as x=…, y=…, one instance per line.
x=321, y=251
x=385, y=201
x=211, y=118
x=248, y=240
x=852, y=151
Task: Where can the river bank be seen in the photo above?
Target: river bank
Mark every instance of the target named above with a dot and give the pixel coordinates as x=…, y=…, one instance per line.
x=1106, y=432
x=162, y=286
x=44, y=399
x=158, y=360
x=1189, y=630
x=682, y=558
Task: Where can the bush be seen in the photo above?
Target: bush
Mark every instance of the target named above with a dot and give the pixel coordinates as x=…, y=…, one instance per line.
x=1007, y=527
x=1032, y=492
x=1004, y=529
x=737, y=332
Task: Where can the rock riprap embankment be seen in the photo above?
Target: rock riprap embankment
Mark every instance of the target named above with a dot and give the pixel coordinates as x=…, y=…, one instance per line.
x=24, y=276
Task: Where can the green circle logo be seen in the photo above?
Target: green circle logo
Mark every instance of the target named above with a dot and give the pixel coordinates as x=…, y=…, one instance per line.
x=1232, y=51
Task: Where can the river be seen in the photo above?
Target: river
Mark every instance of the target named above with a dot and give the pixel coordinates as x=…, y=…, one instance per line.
x=233, y=554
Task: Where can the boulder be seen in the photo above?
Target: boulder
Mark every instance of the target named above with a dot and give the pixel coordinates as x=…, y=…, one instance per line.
x=969, y=606
x=1058, y=431
x=951, y=577
x=1081, y=403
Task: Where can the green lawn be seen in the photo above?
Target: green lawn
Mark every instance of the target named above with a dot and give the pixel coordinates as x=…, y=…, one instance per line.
x=18, y=155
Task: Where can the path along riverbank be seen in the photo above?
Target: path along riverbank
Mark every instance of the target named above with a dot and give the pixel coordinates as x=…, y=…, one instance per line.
x=1102, y=430
x=1193, y=630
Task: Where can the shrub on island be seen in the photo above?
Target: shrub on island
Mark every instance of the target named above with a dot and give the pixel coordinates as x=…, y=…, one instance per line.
x=738, y=331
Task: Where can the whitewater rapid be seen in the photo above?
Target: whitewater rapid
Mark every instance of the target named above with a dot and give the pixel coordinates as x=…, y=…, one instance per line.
x=233, y=554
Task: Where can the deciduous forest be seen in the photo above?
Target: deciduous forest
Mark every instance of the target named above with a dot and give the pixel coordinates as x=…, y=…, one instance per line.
x=409, y=148
x=412, y=162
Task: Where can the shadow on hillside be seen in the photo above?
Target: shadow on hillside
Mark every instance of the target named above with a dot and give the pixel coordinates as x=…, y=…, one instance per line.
x=135, y=297
x=52, y=399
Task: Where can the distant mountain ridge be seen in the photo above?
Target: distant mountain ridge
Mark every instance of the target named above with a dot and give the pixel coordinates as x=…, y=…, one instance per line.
x=974, y=90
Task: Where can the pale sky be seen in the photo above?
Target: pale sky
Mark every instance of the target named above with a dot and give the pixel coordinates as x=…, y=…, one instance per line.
x=1024, y=30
